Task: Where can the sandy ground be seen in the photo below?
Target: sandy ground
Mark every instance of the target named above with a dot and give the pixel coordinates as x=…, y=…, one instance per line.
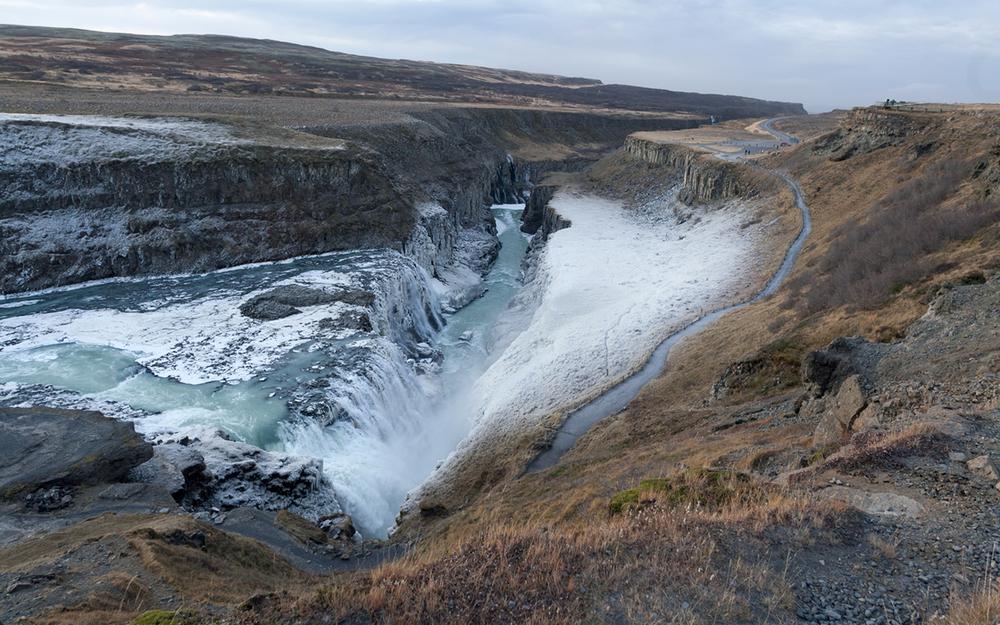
x=729, y=139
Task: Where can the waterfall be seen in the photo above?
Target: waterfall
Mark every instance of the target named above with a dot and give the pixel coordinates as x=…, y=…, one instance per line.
x=371, y=383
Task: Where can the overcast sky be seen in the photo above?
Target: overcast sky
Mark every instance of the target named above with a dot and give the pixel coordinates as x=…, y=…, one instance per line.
x=824, y=53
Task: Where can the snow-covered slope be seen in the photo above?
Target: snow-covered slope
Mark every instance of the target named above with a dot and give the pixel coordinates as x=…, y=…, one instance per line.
x=608, y=289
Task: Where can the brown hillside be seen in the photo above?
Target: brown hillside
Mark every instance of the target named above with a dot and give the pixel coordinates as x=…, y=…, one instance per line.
x=231, y=65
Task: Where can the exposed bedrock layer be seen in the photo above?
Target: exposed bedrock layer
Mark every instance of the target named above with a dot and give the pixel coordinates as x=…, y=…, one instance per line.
x=644, y=167
x=194, y=196
x=46, y=447
x=537, y=214
x=466, y=158
x=121, y=217
x=868, y=129
x=703, y=178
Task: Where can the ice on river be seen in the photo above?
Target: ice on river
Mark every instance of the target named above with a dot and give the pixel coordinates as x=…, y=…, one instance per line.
x=194, y=343
x=608, y=289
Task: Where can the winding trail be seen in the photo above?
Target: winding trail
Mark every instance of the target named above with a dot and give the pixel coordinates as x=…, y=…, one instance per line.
x=618, y=397
x=768, y=126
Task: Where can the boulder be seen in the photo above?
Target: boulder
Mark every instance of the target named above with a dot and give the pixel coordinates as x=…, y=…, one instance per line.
x=840, y=412
x=174, y=467
x=868, y=419
x=826, y=369
x=849, y=401
x=984, y=466
x=46, y=447
x=874, y=503
x=338, y=526
x=300, y=528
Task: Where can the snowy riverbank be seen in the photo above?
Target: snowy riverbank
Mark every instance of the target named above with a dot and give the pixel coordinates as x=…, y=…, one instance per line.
x=607, y=290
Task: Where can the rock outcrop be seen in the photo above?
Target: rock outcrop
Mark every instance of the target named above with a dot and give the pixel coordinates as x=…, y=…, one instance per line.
x=868, y=129
x=48, y=447
x=702, y=178
x=538, y=216
x=947, y=360
x=207, y=471
x=283, y=301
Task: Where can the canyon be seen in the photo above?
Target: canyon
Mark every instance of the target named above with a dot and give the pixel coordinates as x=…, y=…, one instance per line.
x=270, y=313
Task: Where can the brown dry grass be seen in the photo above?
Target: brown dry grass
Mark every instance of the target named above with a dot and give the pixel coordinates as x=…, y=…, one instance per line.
x=883, y=449
x=116, y=598
x=194, y=560
x=888, y=547
x=691, y=564
x=868, y=261
x=226, y=570
x=981, y=608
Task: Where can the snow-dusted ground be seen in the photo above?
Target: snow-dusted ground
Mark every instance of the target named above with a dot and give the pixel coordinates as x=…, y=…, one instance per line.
x=615, y=284
x=29, y=140
x=70, y=139
x=608, y=289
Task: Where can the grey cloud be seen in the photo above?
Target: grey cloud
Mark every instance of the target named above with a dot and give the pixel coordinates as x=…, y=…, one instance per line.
x=824, y=53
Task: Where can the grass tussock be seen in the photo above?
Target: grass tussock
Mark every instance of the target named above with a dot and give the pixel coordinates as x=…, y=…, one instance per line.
x=166, y=617
x=888, y=547
x=656, y=564
x=869, y=261
x=707, y=489
x=885, y=449
x=981, y=608
x=115, y=598
x=774, y=368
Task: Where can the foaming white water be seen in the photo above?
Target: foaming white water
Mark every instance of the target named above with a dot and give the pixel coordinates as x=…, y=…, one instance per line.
x=381, y=408
x=371, y=452
x=400, y=426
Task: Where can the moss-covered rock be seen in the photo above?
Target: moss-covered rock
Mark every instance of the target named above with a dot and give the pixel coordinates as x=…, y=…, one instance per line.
x=711, y=488
x=166, y=617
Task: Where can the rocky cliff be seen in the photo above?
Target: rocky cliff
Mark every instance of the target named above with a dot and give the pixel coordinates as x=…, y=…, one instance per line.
x=702, y=178
x=99, y=197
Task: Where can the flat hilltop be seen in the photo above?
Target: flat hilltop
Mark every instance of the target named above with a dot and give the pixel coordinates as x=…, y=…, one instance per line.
x=238, y=66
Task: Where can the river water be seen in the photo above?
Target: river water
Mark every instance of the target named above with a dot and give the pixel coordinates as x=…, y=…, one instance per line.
x=173, y=353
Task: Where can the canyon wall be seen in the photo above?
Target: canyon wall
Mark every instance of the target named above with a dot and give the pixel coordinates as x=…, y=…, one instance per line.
x=865, y=130
x=191, y=211
x=86, y=198
x=703, y=178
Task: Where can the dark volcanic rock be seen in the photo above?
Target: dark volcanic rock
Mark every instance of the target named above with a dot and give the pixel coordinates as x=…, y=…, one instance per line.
x=204, y=469
x=46, y=447
x=284, y=301
x=192, y=204
x=176, y=468
x=825, y=369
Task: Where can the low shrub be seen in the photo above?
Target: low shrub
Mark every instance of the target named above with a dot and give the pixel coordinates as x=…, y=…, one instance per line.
x=869, y=261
